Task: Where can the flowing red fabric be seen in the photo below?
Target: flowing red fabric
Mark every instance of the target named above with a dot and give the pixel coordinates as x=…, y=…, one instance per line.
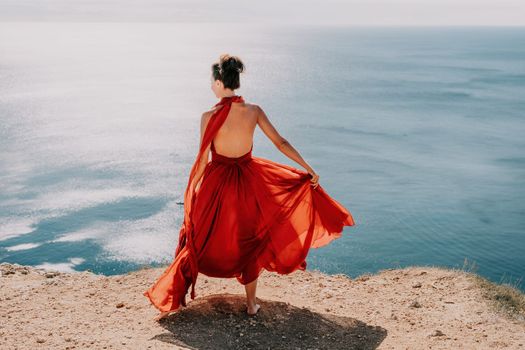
x=248, y=214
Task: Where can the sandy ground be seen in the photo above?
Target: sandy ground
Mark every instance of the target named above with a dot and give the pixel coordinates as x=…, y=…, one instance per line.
x=410, y=308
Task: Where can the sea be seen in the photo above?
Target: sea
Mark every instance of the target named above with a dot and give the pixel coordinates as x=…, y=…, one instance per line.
x=418, y=131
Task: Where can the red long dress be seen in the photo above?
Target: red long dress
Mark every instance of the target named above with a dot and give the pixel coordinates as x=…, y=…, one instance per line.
x=248, y=214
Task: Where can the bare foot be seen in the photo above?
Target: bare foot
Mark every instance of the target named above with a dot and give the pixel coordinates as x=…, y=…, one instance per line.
x=162, y=315
x=253, y=310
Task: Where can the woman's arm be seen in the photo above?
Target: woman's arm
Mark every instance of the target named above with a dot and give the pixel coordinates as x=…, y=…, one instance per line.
x=283, y=145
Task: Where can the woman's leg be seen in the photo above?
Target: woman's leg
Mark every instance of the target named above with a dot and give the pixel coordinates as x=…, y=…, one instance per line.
x=251, y=302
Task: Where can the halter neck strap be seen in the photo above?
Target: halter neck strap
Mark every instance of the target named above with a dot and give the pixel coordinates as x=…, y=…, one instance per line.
x=230, y=99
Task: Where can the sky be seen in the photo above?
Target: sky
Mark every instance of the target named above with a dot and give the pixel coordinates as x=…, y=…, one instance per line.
x=326, y=12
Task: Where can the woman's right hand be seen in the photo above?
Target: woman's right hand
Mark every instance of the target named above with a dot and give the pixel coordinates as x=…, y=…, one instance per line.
x=315, y=178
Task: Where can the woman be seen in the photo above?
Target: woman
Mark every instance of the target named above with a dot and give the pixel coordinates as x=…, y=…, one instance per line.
x=244, y=213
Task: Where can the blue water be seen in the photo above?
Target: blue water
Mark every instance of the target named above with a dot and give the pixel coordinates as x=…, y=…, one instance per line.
x=417, y=131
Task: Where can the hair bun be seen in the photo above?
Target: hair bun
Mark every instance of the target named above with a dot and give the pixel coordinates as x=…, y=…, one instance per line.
x=231, y=63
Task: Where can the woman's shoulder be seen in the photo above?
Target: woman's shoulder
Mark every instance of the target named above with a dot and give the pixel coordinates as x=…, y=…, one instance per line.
x=207, y=114
x=252, y=108
x=252, y=105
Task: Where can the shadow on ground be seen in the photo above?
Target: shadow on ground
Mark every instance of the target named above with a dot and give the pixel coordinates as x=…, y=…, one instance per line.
x=220, y=322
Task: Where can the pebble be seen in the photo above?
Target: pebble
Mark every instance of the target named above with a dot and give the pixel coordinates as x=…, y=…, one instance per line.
x=415, y=303
x=437, y=333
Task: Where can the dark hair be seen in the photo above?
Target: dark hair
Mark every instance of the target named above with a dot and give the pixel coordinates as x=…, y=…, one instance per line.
x=227, y=70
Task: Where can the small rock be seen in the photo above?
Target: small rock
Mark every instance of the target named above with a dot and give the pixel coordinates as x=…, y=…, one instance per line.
x=437, y=333
x=363, y=278
x=415, y=303
x=51, y=274
x=416, y=285
x=119, y=305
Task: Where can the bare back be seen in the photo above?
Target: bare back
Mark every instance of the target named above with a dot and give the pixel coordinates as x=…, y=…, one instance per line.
x=235, y=136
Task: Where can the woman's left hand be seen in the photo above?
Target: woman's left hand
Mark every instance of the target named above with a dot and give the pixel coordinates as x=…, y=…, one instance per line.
x=315, y=179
